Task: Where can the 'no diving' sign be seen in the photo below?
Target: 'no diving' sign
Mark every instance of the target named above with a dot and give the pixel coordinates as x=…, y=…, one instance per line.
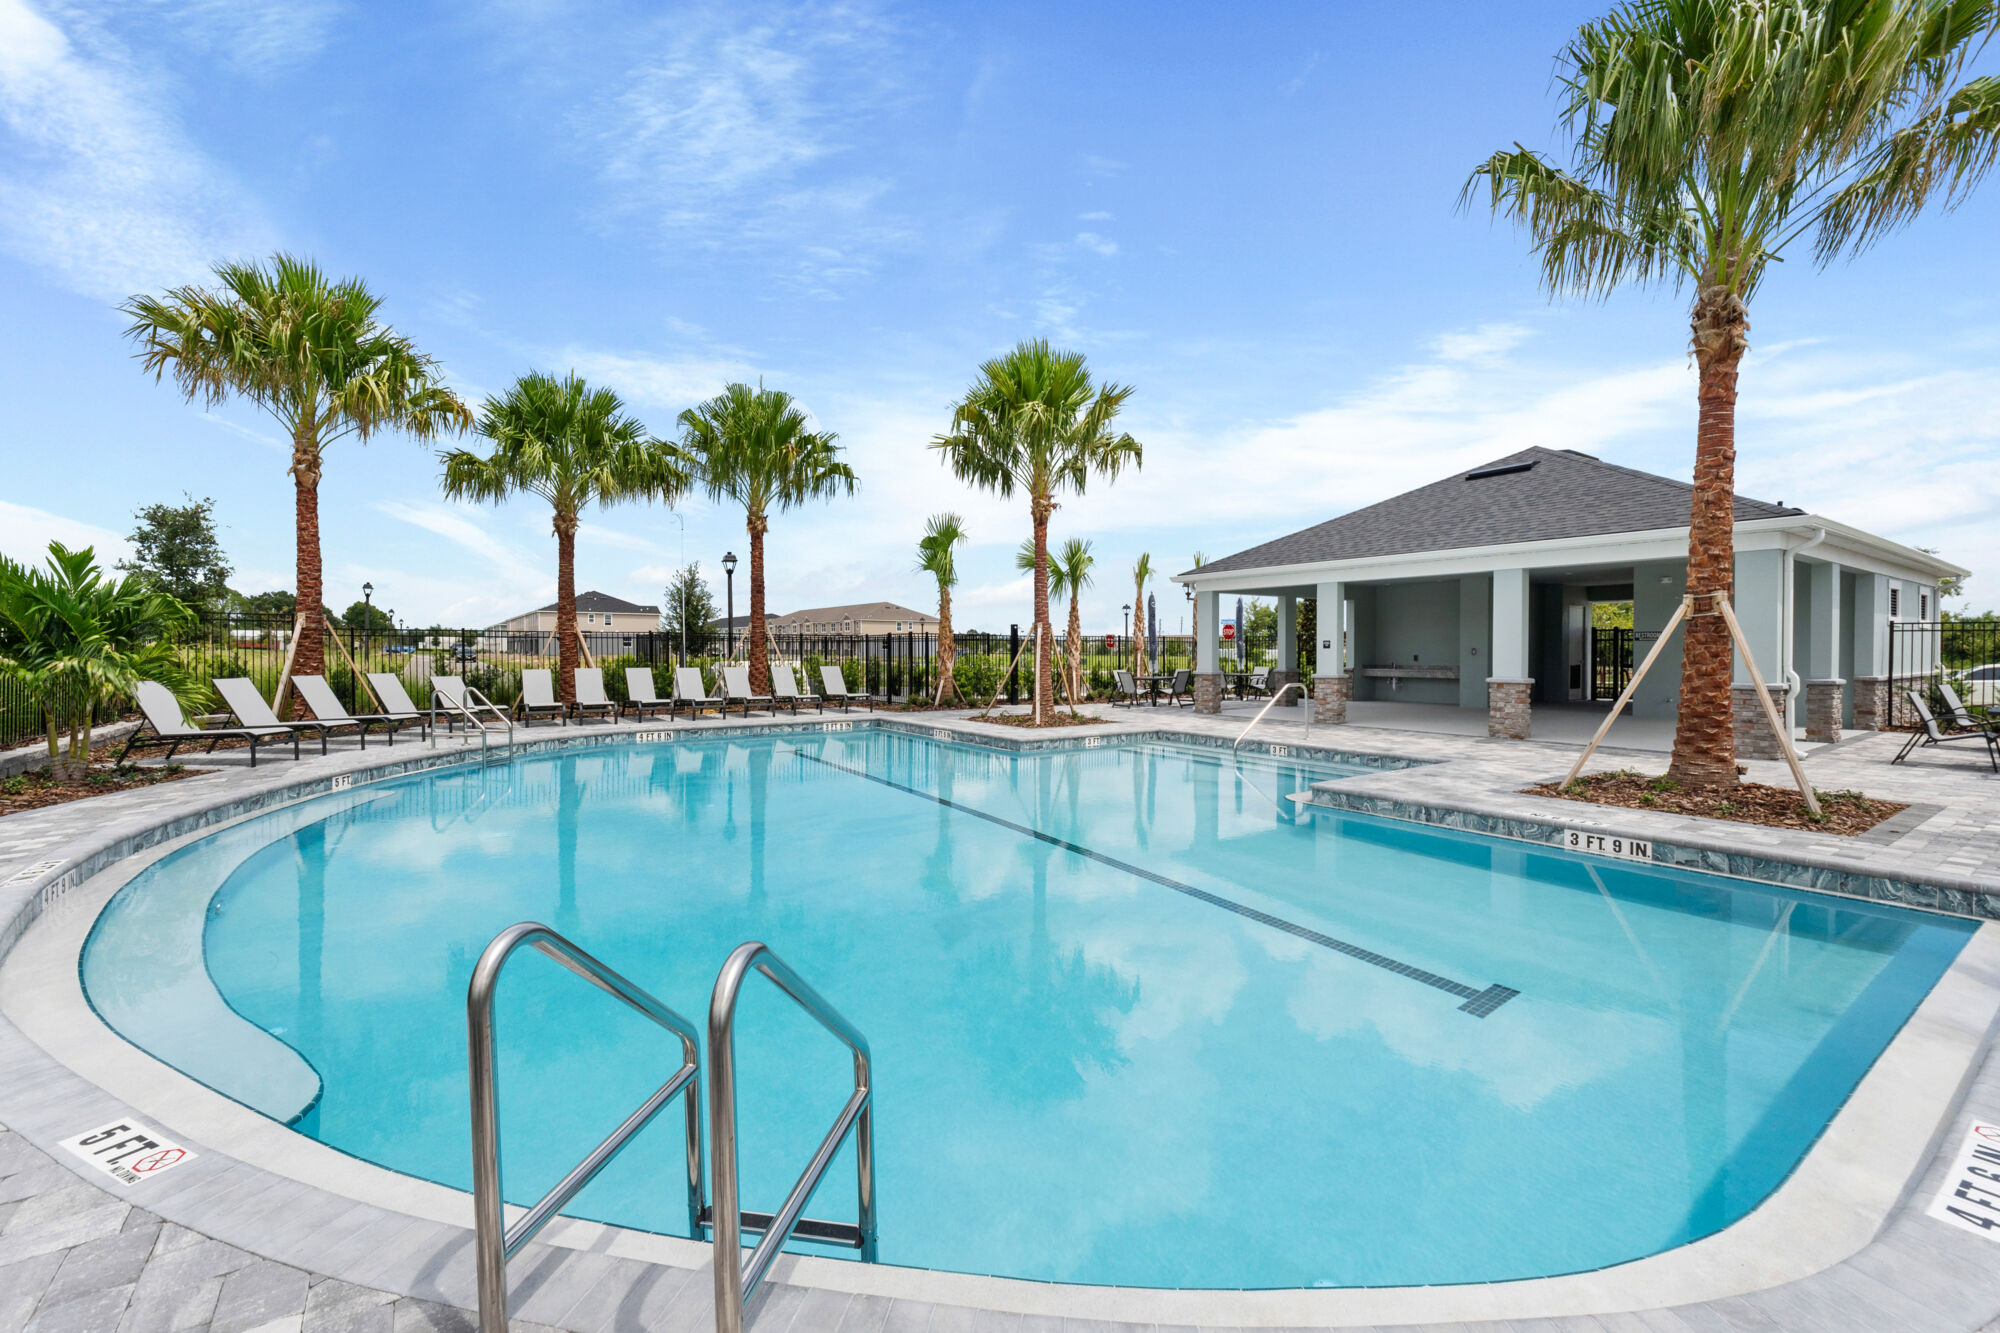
x=128, y=1152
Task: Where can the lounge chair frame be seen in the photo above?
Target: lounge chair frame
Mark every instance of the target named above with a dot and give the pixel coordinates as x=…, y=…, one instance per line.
x=187, y=731
x=603, y=705
x=795, y=698
x=249, y=692
x=331, y=711
x=530, y=710
x=1928, y=733
x=730, y=695
x=696, y=702
x=634, y=676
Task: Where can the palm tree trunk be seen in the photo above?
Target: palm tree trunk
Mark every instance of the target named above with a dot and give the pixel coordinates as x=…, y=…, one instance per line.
x=1044, y=646
x=947, y=650
x=567, y=657
x=1075, y=650
x=760, y=656
x=1140, y=666
x=310, y=658
x=1704, y=740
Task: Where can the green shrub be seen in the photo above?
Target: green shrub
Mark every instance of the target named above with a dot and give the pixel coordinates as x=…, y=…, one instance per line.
x=979, y=675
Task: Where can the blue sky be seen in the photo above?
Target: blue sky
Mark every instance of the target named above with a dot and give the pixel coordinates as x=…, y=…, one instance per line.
x=1247, y=213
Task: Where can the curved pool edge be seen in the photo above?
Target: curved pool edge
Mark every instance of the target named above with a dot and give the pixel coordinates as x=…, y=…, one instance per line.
x=1833, y=1203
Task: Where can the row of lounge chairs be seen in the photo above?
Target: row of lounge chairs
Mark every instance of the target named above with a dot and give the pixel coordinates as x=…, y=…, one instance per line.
x=252, y=719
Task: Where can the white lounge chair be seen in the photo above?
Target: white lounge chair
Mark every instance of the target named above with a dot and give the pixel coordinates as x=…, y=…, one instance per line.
x=835, y=686
x=538, y=697
x=641, y=694
x=1928, y=732
x=162, y=712
x=396, y=701
x=590, y=695
x=736, y=690
x=459, y=701
x=250, y=710
x=326, y=706
x=785, y=689
x=690, y=693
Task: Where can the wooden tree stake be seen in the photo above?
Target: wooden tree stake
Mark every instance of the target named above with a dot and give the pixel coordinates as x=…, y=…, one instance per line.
x=1631, y=686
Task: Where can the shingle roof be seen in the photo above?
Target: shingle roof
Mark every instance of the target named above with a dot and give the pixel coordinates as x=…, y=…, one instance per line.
x=859, y=611
x=604, y=601
x=1542, y=495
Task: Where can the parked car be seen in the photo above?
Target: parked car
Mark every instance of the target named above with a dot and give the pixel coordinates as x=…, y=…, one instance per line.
x=396, y=648
x=465, y=652
x=1979, y=687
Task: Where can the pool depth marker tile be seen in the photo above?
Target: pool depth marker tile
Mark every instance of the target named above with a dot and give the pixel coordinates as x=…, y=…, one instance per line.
x=1478, y=1003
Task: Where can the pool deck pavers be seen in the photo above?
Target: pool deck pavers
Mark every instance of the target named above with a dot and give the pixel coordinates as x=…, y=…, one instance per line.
x=222, y=1246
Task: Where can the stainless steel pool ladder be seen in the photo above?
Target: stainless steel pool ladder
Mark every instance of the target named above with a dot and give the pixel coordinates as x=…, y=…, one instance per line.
x=1276, y=695
x=734, y=1282
x=463, y=708
x=496, y=1242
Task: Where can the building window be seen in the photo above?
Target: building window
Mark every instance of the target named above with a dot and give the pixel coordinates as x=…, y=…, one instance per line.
x=1923, y=606
x=1895, y=600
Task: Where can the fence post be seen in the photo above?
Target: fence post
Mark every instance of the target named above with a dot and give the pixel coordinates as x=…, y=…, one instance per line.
x=1014, y=664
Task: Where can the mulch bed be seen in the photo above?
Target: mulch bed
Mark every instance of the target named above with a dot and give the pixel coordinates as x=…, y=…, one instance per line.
x=32, y=791
x=1057, y=719
x=1844, y=812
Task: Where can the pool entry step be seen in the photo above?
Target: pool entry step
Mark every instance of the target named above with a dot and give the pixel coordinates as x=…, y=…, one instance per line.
x=724, y=1220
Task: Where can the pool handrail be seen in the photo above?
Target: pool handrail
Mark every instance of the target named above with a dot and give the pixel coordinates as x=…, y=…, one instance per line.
x=1276, y=695
x=494, y=1241
x=464, y=705
x=734, y=1285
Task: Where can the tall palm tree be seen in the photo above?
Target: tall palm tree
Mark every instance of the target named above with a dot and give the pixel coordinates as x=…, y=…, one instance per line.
x=757, y=448
x=936, y=556
x=1142, y=574
x=574, y=446
x=1709, y=135
x=309, y=351
x=1069, y=574
x=1033, y=421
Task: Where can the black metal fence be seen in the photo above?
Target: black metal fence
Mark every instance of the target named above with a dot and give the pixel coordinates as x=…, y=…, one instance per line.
x=1927, y=654
x=1610, y=662
x=901, y=666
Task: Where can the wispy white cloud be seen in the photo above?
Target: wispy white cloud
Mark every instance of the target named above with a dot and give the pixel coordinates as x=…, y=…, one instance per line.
x=1098, y=216
x=669, y=383
x=1100, y=245
x=101, y=185
x=1485, y=341
x=25, y=534
x=1298, y=81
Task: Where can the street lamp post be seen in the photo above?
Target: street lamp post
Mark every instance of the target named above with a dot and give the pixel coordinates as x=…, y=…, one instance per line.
x=729, y=620
x=367, y=615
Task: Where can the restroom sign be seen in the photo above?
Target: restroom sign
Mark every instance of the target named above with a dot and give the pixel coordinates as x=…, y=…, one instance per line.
x=128, y=1152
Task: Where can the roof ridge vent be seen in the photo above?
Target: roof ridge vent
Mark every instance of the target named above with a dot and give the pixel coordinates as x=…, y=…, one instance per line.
x=1499, y=470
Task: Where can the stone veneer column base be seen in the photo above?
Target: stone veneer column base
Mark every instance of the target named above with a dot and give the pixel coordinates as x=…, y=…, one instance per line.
x=1330, y=696
x=1509, y=708
x=1208, y=692
x=1277, y=680
x=1754, y=739
x=1871, y=702
x=1823, y=709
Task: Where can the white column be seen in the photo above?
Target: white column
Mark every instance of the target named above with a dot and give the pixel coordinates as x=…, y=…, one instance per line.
x=1205, y=655
x=1332, y=606
x=1871, y=625
x=1510, y=625
x=1288, y=634
x=1822, y=621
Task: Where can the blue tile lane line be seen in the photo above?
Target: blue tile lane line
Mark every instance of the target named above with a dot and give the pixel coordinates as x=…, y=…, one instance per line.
x=1478, y=1003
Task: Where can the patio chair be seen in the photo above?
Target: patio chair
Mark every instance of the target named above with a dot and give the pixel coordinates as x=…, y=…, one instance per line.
x=326, y=706
x=1956, y=713
x=736, y=690
x=460, y=701
x=1259, y=682
x=640, y=694
x=538, y=697
x=834, y=685
x=1122, y=683
x=1928, y=732
x=590, y=695
x=690, y=693
x=162, y=712
x=1181, y=687
x=249, y=709
x=785, y=688
x=396, y=701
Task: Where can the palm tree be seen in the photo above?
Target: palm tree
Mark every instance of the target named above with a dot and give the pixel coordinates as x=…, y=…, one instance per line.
x=573, y=446
x=1033, y=421
x=756, y=447
x=1069, y=574
x=1709, y=135
x=1142, y=574
x=77, y=639
x=309, y=351
x=936, y=557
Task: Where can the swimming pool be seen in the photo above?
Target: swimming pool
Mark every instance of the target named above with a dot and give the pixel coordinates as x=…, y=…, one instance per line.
x=1135, y=1018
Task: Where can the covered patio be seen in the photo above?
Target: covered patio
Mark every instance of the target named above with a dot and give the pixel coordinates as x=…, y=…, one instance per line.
x=1466, y=607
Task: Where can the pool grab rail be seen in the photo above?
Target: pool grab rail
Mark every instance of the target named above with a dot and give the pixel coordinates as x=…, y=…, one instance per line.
x=734, y=1283
x=1276, y=695
x=463, y=707
x=494, y=1241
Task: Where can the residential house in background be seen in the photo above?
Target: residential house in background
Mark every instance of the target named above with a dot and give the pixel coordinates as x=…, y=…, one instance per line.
x=596, y=613
x=859, y=618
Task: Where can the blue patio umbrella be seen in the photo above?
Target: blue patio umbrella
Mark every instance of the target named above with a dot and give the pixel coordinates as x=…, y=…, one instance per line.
x=1153, y=630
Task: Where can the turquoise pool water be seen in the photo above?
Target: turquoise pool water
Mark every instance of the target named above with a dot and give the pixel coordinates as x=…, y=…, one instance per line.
x=1134, y=1019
